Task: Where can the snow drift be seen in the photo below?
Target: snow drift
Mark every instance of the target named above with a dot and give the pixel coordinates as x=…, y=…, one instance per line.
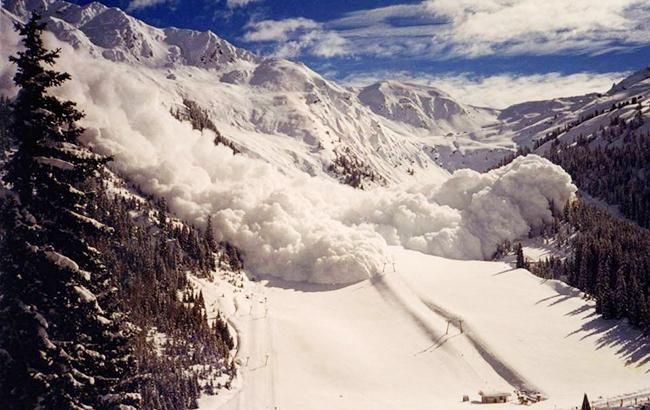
x=299, y=228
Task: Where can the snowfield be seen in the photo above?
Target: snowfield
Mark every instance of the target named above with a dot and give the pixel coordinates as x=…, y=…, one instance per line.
x=384, y=343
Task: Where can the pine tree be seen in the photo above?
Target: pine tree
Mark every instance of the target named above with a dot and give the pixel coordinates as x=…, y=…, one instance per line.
x=585, y=403
x=5, y=118
x=521, y=262
x=64, y=341
x=209, y=235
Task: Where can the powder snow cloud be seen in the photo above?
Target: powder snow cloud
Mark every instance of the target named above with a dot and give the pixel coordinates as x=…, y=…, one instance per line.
x=298, y=227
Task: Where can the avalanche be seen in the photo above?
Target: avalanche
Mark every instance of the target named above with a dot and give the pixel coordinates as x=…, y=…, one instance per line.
x=289, y=224
x=392, y=337
x=299, y=227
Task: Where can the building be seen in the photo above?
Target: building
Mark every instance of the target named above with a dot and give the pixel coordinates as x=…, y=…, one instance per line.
x=494, y=397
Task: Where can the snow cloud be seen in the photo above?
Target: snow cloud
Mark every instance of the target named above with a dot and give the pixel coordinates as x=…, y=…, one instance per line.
x=300, y=228
x=10, y=42
x=502, y=90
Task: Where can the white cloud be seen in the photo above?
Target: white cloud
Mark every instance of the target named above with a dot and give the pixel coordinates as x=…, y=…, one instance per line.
x=529, y=26
x=240, y=3
x=278, y=30
x=143, y=4
x=295, y=36
x=474, y=28
x=502, y=90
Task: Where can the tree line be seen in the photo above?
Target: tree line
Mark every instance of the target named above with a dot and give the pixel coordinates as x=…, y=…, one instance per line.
x=619, y=174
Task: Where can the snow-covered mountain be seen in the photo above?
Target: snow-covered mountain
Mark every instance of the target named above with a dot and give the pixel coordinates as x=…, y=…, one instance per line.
x=290, y=116
x=423, y=107
x=385, y=132
x=116, y=36
x=591, y=115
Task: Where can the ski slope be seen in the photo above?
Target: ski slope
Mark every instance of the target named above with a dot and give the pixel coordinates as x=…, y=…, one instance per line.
x=388, y=343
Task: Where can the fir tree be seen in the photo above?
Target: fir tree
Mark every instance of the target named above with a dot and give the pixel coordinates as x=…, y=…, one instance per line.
x=521, y=262
x=64, y=340
x=585, y=403
x=209, y=235
x=5, y=118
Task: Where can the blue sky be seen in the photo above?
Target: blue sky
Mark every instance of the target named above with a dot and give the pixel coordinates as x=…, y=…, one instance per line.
x=562, y=46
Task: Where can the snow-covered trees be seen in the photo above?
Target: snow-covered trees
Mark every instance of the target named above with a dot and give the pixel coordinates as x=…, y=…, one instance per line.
x=617, y=173
x=73, y=260
x=179, y=350
x=200, y=120
x=609, y=260
x=63, y=339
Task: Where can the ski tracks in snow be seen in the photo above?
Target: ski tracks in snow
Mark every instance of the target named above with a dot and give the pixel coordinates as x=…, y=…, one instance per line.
x=392, y=288
x=258, y=391
x=502, y=368
x=257, y=367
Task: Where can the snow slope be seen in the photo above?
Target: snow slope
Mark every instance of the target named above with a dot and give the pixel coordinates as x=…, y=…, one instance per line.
x=384, y=343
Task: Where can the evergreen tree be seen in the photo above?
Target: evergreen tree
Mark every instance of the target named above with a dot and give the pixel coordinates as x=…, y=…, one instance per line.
x=5, y=118
x=585, y=403
x=521, y=262
x=65, y=342
x=209, y=235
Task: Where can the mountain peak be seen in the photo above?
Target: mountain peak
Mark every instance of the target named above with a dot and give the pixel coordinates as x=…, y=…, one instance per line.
x=629, y=82
x=117, y=36
x=417, y=105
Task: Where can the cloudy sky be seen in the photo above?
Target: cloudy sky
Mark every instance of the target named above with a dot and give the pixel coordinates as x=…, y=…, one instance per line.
x=488, y=52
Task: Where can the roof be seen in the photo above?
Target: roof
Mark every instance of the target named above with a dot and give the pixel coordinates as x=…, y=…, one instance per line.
x=493, y=393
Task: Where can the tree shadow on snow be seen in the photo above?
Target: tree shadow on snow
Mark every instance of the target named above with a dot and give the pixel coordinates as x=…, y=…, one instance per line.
x=630, y=344
x=504, y=271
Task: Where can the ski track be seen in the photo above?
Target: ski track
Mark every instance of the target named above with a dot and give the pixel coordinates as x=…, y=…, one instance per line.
x=504, y=370
x=510, y=375
x=255, y=353
x=257, y=324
